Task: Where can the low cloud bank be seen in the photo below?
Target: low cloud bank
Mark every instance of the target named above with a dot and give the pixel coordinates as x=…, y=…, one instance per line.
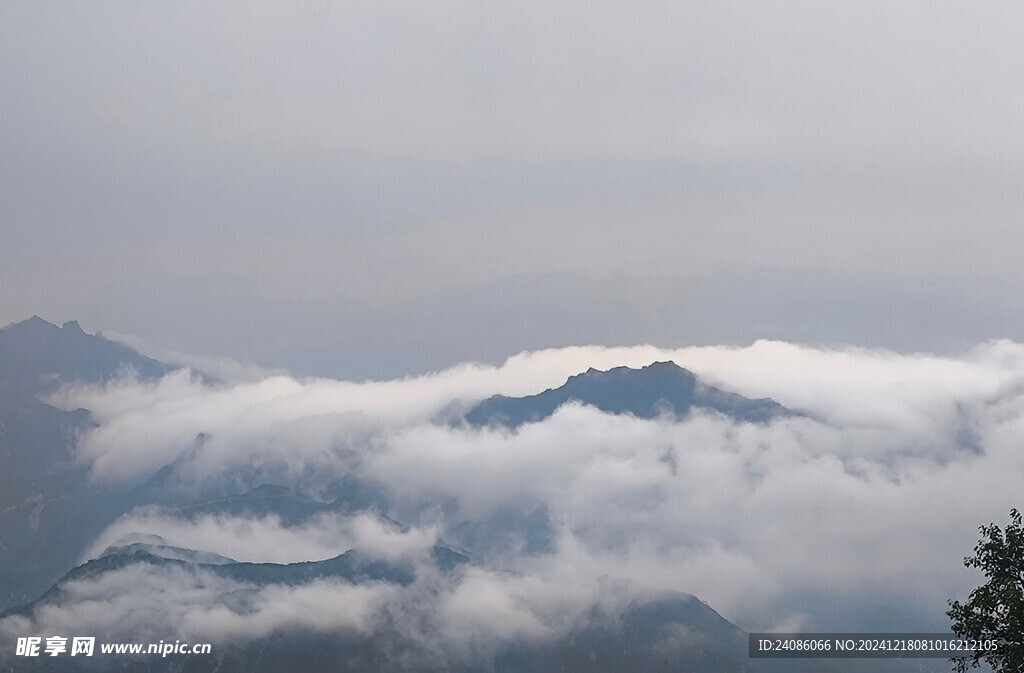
x=874, y=496
x=440, y=618
x=266, y=539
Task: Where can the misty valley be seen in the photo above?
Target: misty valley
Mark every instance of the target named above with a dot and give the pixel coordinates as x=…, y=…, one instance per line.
x=577, y=509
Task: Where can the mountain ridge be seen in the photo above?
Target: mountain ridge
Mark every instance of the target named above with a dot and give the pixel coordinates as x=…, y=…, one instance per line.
x=657, y=388
x=35, y=354
x=48, y=509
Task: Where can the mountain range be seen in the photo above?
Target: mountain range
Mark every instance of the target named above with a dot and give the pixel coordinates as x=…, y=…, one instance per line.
x=51, y=512
x=658, y=388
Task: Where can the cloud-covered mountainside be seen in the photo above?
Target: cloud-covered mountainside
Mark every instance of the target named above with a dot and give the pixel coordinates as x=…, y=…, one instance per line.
x=48, y=507
x=465, y=520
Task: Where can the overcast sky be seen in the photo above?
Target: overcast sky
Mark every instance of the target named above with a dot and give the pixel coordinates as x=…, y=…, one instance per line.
x=375, y=188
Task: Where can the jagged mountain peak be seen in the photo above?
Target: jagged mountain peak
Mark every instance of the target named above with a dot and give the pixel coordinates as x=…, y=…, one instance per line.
x=664, y=369
x=36, y=355
x=37, y=325
x=166, y=551
x=72, y=327
x=647, y=392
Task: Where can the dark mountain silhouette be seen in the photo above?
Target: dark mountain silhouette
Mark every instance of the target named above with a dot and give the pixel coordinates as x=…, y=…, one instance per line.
x=661, y=387
x=35, y=356
x=507, y=530
x=158, y=546
x=667, y=633
x=48, y=510
x=674, y=632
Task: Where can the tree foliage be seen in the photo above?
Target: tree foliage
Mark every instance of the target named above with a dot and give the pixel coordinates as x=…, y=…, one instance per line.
x=995, y=610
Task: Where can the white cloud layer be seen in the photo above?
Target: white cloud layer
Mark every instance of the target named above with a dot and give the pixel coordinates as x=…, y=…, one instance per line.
x=148, y=601
x=266, y=539
x=875, y=495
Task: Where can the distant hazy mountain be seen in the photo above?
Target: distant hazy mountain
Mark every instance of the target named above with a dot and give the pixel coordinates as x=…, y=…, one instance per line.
x=675, y=632
x=291, y=507
x=351, y=566
x=655, y=389
x=48, y=512
x=158, y=546
x=527, y=533
x=36, y=355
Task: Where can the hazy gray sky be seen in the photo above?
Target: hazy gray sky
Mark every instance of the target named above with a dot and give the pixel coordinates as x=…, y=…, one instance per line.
x=372, y=188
